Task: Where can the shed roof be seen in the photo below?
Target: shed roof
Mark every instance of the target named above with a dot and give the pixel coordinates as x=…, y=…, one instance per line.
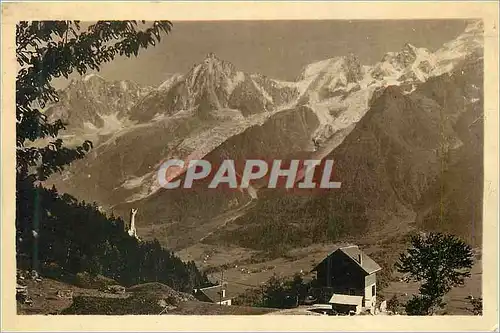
x=214, y=293
x=346, y=299
x=354, y=253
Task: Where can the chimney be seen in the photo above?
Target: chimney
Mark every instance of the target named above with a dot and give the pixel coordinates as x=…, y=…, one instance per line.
x=359, y=259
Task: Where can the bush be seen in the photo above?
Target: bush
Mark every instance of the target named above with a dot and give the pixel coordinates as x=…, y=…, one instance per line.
x=394, y=305
x=136, y=304
x=88, y=281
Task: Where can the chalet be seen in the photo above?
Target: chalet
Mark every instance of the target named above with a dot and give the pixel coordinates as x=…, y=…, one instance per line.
x=216, y=294
x=347, y=280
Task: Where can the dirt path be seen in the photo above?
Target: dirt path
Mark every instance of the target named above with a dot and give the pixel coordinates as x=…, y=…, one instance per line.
x=301, y=311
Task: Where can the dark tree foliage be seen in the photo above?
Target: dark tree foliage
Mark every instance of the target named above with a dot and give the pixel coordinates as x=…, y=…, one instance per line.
x=76, y=237
x=440, y=262
x=476, y=304
x=297, y=287
x=57, y=229
x=393, y=304
x=276, y=293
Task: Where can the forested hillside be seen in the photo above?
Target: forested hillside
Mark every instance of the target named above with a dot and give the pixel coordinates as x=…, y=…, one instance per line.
x=76, y=237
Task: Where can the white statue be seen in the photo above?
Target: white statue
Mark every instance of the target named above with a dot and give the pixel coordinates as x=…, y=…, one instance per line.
x=132, y=231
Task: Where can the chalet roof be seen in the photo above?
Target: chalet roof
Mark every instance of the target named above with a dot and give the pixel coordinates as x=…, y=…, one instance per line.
x=346, y=299
x=367, y=263
x=354, y=253
x=214, y=293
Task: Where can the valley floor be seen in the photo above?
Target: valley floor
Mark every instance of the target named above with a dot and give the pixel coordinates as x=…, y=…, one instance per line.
x=46, y=301
x=246, y=271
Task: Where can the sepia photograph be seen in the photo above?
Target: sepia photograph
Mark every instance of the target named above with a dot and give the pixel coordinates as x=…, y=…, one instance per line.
x=332, y=168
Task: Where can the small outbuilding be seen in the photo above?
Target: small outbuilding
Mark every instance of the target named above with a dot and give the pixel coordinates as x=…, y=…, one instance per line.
x=346, y=303
x=218, y=294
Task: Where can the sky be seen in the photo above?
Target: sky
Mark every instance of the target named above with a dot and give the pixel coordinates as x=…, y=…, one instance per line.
x=278, y=49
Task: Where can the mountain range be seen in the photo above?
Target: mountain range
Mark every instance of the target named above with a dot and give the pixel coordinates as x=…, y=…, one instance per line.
x=405, y=134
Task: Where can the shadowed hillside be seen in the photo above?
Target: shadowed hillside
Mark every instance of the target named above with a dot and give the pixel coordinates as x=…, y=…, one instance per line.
x=413, y=158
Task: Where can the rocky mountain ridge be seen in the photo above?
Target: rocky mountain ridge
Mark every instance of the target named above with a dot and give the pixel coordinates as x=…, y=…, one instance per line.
x=215, y=111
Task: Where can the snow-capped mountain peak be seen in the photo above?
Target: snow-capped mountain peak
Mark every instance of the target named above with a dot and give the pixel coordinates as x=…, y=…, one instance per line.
x=468, y=43
x=196, y=113
x=475, y=27
x=93, y=76
x=410, y=63
x=93, y=104
x=211, y=70
x=342, y=84
x=328, y=78
x=167, y=84
x=347, y=66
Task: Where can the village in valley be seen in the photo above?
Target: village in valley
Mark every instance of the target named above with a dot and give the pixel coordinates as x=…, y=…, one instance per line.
x=346, y=284
x=343, y=283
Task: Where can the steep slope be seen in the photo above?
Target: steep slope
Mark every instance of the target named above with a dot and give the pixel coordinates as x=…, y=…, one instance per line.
x=186, y=117
x=184, y=211
x=386, y=126
x=454, y=204
x=413, y=158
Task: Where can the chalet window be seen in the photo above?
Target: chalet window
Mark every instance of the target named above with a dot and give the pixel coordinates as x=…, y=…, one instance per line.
x=373, y=290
